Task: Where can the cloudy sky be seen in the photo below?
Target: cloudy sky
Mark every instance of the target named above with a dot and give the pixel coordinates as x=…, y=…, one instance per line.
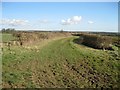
x=87, y=16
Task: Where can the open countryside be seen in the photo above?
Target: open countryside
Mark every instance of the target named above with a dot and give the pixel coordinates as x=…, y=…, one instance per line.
x=57, y=60
x=60, y=45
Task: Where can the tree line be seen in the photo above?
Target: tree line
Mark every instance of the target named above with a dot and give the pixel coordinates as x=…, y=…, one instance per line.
x=8, y=30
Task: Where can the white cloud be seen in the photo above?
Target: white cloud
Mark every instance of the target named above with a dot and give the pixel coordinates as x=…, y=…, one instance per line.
x=73, y=20
x=13, y=22
x=90, y=22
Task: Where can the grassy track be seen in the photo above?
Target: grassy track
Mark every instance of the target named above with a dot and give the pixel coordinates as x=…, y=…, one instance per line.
x=60, y=63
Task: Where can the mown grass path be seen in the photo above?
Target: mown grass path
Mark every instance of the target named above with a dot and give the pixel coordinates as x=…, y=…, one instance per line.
x=59, y=63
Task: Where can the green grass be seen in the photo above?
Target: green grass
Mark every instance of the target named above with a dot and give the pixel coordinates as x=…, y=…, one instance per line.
x=60, y=63
x=7, y=37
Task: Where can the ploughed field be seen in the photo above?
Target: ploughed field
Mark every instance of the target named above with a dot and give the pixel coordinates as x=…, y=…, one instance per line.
x=59, y=62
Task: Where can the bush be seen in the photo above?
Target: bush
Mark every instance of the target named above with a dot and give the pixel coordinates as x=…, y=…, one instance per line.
x=116, y=41
x=34, y=37
x=97, y=41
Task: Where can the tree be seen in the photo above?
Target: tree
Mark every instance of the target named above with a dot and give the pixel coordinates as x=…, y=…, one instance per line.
x=61, y=30
x=8, y=30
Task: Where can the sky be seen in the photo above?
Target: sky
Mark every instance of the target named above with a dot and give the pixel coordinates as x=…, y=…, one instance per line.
x=69, y=16
x=60, y=0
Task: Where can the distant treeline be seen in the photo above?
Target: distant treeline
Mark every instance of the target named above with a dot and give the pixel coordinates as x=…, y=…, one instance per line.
x=106, y=33
x=99, y=33
x=8, y=30
x=12, y=30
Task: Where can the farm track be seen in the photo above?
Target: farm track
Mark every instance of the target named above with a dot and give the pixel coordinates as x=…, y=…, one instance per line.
x=59, y=63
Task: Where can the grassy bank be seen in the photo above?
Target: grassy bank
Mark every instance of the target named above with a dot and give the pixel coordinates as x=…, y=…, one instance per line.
x=59, y=63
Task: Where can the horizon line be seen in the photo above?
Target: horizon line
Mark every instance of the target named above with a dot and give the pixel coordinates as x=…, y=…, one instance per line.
x=68, y=30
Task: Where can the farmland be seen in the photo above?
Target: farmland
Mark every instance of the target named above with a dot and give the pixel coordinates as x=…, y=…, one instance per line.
x=7, y=37
x=58, y=61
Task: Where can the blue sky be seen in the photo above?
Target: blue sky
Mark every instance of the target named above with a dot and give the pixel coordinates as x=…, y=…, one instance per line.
x=87, y=16
x=60, y=0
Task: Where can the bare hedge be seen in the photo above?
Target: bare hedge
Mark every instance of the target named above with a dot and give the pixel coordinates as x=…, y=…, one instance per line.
x=97, y=41
x=33, y=37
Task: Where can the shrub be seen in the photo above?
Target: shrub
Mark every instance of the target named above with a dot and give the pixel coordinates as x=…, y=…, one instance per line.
x=116, y=41
x=97, y=41
x=34, y=37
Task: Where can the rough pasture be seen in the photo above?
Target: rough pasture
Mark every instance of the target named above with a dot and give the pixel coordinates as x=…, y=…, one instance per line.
x=59, y=62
